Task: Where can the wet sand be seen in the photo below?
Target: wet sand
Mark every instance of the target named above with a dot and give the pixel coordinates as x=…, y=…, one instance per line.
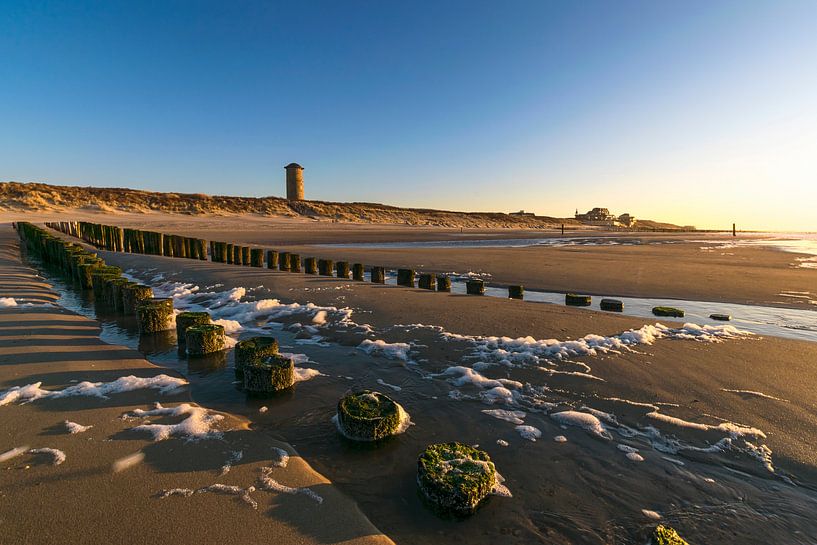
x=83, y=500
x=578, y=492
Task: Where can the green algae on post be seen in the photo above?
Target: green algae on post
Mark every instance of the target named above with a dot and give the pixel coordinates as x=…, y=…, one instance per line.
x=611, y=305
x=721, y=317
x=454, y=478
x=443, y=283
x=325, y=267
x=369, y=416
x=427, y=281
x=358, y=272
x=272, y=259
x=132, y=297
x=254, y=350
x=311, y=265
x=295, y=263
x=475, y=287
x=257, y=257
x=576, y=300
x=342, y=269
x=204, y=339
x=405, y=277
x=379, y=275
x=668, y=311
x=154, y=315
x=273, y=374
x=516, y=292
x=283, y=261
x=188, y=319
x=664, y=535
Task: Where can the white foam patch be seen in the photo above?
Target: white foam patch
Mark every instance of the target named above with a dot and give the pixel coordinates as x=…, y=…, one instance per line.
x=301, y=374
x=465, y=375
x=13, y=453
x=630, y=452
x=235, y=457
x=31, y=392
x=319, y=317
x=394, y=387
x=199, y=422
x=734, y=430
x=230, y=326
x=283, y=457
x=754, y=394
x=654, y=515
x=514, y=417
x=587, y=422
x=263, y=409
x=502, y=443
x=57, y=456
x=7, y=302
x=395, y=351
x=529, y=432
x=560, y=439
x=74, y=428
x=128, y=462
x=224, y=489
x=268, y=483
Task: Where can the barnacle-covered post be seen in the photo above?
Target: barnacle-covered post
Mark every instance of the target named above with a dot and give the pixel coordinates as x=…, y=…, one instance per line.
x=257, y=257
x=379, y=275
x=475, y=286
x=133, y=296
x=272, y=259
x=578, y=300
x=427, y=281
x=274, y=374
x=405, y=277
x=325, y=267
x=369, y=416
x=358, y=272
x=454, y=478
x=254, y=350
x=283, y=261
x=516, y=292
x=189, y=319
x=155, y=315
x=342, y=268
x=295, y=263
x=311, y=265
x=443, y=283
x=204, y=339
x=611, y=305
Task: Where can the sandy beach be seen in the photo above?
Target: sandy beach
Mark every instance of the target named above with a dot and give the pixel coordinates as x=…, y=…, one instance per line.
x=84, y=499
x=739, y=425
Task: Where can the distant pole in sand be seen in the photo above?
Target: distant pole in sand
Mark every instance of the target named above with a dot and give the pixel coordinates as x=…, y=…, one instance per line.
x=734, y=232
x=563, y=229
x=295, y=182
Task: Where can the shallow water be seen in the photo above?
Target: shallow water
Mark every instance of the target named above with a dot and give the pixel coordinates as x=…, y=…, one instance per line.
x=585, y=490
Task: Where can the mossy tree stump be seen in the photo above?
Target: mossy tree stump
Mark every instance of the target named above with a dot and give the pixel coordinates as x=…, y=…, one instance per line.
x=576, y=300
x=379, y=275
x=668, y=311
x=358, y=272
x=254, y=350
x=454, y=478
x=427, y=281
x=443, y=283
x=611, y=305
x=188, y=319
x=257, y=257
x=311, y=265
x=405, y=277
x=475, y=287
x=132, y=297
x=342, y=269
x=155, y=315
x=272, y=259
x=368, y=416
x=204, y=339
x=516, y=292
x=274, y=374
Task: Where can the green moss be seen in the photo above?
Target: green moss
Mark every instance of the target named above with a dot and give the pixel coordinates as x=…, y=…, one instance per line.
x=612, y=305
x=455, y=478
x=113, y=291
x=368, y=416
x=427, y=281
x=275, y=373
x=154, y=315
x=475, y=287
x=668, y=311
x=664, y=535
x=187, y=319
x=576, y=300
x=405, y=277
x=254, y=351
x=132, y=296
x=204, y=339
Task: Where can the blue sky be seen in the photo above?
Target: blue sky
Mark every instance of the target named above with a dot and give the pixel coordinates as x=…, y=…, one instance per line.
x=694, y=112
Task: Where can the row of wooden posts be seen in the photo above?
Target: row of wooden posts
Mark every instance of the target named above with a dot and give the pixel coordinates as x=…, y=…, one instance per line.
x=114, y=238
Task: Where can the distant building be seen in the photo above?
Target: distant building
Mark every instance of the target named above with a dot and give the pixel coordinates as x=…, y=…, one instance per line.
x=523, y=213
x=295, y=182
x=603, y=217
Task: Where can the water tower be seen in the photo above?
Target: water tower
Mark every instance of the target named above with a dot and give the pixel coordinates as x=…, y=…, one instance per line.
x=295, y=182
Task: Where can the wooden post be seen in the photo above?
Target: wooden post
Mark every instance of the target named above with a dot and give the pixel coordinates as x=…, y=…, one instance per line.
x=734, y=232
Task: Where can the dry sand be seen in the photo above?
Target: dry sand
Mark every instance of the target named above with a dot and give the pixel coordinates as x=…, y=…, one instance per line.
x=83, y=500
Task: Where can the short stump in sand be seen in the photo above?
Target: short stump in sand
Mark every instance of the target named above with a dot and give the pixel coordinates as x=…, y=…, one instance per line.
x=275, y=373
x=368, y=416
x=427, y=281
x=475, y=287
x=253, y=351
x=443, y=283
x=668, y=311
x=516, y=292
x=204, y=339
x=257, y=257
x=188, y=319
x=379, y=275
x=405, y=277
x=663, y=535
x=311, y=265
x=342, y=269
x=455, y=478
x=132, y=297
x=576, y=300
x=155, y=315
x=611, y=305
x=721, y=317
x=358, y=272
